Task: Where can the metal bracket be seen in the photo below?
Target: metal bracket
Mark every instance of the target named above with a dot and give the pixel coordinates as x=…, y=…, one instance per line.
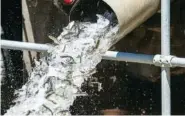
x=163, y=61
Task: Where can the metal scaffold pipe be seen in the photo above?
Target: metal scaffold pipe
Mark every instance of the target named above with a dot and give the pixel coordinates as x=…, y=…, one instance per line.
x=157, y=60
x=180, y=62
x=165, y=50
x=15, y=45
x=129, y=57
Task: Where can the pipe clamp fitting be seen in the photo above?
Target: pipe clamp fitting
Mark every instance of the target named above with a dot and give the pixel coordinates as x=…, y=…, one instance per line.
x=163, y=61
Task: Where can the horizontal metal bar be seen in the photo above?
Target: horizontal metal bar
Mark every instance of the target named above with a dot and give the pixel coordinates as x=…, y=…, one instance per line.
x=128, y=57
x=109, y=55
x=15, y=45
x=145, y=59
x=178, y=62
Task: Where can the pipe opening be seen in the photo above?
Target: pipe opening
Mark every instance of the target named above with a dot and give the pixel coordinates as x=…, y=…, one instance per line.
x=86, y=10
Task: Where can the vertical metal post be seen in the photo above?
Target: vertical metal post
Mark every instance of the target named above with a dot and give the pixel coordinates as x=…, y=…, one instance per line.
x=165, y=50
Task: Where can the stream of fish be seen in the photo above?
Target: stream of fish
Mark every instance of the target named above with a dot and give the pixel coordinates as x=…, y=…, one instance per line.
x=56, y=80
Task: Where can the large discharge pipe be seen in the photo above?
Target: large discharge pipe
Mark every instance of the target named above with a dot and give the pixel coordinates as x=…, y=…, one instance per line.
x=132, y=13
x=129, y=13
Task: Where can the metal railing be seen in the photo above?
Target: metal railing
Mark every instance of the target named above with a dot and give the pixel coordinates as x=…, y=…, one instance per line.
x=157, y=60
x=165, y=50
x=165, y=60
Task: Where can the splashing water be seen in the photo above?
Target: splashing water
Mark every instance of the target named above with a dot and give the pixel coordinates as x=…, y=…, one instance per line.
x=57, y=78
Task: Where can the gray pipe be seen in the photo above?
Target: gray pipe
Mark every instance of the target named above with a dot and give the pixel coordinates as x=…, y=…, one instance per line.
x=165, y=50
x=129, y=57
x=15, y=45
x=180, y=62
x=109, y=55
x=157, y=60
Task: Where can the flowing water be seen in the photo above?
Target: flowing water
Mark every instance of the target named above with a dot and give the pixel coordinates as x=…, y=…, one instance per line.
x=56, y=80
